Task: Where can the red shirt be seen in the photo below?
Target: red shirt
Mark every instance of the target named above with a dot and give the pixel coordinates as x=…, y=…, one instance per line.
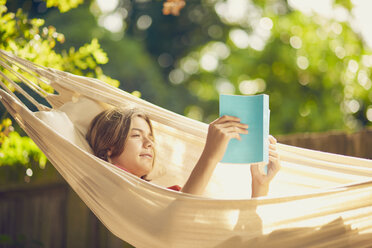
x=174, y=187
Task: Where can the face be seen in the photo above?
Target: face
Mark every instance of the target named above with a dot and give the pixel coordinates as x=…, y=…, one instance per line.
x=138, y=155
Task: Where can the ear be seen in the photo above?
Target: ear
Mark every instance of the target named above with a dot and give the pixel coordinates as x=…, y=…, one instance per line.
x=109, y=152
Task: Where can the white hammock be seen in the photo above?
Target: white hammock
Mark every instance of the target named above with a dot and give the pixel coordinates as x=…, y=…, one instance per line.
x=317, y=199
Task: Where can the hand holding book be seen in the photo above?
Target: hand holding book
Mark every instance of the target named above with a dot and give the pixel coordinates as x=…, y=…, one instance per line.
x=257, y=148
x=220, y=132
x=232, y=127
x=261, y=180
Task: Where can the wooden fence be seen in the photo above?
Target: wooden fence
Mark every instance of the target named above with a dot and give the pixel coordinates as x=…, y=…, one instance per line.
x=356, y=144
x=51, y=215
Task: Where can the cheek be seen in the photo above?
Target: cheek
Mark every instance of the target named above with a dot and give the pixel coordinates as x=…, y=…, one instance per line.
x=132, y=147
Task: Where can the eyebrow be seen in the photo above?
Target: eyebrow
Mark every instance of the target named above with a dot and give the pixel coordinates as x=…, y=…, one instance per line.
x=137, y=129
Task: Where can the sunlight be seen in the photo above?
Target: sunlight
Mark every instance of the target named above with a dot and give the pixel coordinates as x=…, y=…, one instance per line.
x=112, y=22
x=353, y=66
x=209, y=62
x=369, y=113
x=322, y=7
x=352, y=106
x=176, y=76
x=189, y=65
x=302, y=62
x=257, y=42
x=340, y=52
x=266, y=23
x=360, y=20
x=232, y=11
x=240, y=38
x=144, y=22
x=251, y=87
x=364, y=80
x=248, y=87
x=29, y=172
x=295, y=42
x=107, y=5
x=220, y=49
x=178, y=152
x=224, y=86
x=363, y=17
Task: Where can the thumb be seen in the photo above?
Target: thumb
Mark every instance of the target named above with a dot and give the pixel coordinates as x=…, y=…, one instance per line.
x=254, y=168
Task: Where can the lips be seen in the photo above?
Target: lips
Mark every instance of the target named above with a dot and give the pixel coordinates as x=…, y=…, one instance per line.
x=146, y=155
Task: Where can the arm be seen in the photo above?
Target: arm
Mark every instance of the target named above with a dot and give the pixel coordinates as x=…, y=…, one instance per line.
x=260, y=181
x=220, y=132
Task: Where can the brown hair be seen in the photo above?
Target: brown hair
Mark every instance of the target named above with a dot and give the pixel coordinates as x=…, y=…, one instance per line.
x=109, y=130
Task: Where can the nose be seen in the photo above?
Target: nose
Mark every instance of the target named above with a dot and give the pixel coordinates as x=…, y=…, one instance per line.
x=148, y=143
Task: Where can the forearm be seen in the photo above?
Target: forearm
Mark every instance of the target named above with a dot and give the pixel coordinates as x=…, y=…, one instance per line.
x=219, y=133
x=200, y=176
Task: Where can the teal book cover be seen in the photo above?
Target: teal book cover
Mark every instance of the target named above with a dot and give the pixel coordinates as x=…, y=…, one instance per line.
x=253, y=111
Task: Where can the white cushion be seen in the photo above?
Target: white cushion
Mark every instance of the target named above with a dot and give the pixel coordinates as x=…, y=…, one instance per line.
x=61, y=124
x=82, y=112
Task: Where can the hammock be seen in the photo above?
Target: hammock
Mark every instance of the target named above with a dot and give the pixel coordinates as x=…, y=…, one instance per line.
x=317, y=199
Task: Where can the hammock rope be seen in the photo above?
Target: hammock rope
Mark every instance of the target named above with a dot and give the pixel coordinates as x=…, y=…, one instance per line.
x=317, y=200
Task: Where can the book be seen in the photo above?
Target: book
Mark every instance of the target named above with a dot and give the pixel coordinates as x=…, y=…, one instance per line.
x=253, y=111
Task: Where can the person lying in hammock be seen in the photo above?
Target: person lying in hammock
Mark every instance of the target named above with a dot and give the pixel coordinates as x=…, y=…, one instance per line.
x=124, y=137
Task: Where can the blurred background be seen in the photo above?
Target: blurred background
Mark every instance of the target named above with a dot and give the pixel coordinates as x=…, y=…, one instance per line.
x=312, y=57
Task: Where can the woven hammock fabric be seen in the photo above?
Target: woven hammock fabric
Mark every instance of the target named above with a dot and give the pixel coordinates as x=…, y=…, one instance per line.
x=317, y=199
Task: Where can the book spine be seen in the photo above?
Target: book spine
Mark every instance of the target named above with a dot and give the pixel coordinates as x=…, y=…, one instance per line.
x=266, y=128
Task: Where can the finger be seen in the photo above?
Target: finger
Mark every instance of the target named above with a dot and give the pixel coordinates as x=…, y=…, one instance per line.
x=234, y=135
x=273, y=169
x=235, y=130
x=233, y=127
x=254, y=168
x=226, y=118
x=272, y=139
x=233, y=124
x=272, y=147
x=273, y=158
x=274, y=154
x=274, y=163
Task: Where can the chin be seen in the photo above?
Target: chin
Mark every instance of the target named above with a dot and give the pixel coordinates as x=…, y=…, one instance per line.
x=147, y=171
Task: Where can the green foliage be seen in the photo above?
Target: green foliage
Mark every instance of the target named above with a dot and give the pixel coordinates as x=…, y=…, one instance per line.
x=313, y=68
x=63, y=5
x=27, y=38
x=316, y=70
x=87, y=57
x=20, y=150
x=129, y=60
x=30, y=39
x=345, y=3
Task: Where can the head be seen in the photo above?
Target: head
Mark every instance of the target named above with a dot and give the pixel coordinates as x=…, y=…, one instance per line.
x=125, y=138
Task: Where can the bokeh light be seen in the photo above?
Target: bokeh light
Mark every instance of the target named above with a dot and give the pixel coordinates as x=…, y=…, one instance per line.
x=144, y=22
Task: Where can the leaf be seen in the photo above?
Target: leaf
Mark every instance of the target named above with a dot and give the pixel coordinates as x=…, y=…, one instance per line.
x=345, y=3
x=63, y=5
